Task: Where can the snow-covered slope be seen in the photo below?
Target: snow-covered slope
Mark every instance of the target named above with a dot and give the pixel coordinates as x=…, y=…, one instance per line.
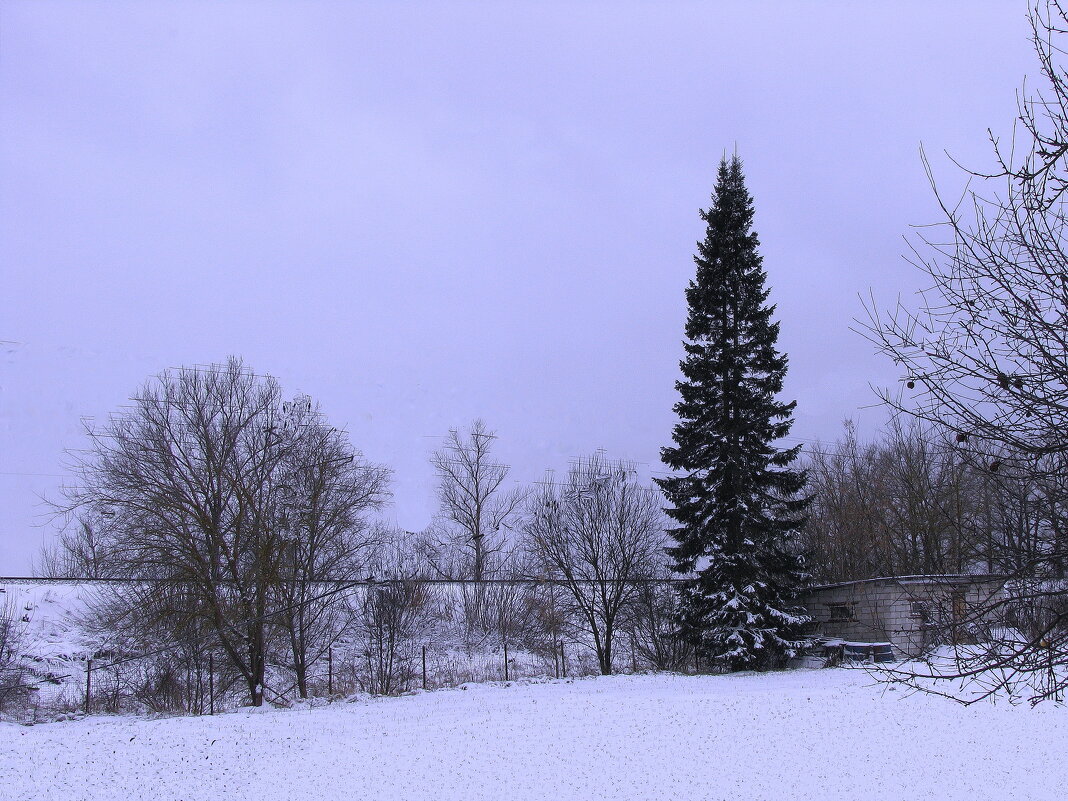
x=50, y=611
x=53, y=643
x=827, y=734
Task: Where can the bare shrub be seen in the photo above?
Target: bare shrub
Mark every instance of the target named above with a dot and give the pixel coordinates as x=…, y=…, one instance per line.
x=652, y=630
x=597, y=534
x=393, y=616
x=15, y=688
x=396, y=614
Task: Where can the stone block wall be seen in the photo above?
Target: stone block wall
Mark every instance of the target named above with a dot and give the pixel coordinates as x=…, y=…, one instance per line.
x=905, y=612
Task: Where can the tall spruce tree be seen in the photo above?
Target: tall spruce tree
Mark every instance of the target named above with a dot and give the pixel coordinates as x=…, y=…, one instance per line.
x=734, y=497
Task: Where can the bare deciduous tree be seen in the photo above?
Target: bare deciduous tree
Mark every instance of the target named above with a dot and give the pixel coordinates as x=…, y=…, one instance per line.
x=475, y=505
x=326, y=488
x=187, y=477
x=80, y=552
x=198, y=481
x=908, y=503
x=600, y=534
x=652, y=628
x=986, y=352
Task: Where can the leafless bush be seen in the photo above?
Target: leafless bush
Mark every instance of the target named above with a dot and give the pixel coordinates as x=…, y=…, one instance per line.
x=396, y=615
x=14, y=686
x=651, y=628
x=393, y=617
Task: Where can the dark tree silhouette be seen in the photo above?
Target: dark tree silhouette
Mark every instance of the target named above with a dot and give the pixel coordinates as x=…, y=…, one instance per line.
x=735, y=498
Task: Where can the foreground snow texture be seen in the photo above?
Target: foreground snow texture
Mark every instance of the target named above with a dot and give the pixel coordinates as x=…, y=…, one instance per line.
x=827, y=734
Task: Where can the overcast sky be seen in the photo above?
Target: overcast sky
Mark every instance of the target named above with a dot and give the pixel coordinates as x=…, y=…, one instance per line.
x=423, y=213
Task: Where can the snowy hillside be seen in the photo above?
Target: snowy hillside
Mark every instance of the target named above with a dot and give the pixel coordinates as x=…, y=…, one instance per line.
x=50, y=611
x=53, y=641
x=826, y=734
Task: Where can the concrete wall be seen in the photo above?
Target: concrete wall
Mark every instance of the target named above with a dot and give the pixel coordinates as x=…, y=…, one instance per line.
x=906, y=612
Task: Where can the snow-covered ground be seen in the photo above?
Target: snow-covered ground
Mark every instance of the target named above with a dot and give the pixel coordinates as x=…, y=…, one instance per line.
x=827, y=734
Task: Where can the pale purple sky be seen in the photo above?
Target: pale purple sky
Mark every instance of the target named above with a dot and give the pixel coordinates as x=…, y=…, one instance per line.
x=423, y=213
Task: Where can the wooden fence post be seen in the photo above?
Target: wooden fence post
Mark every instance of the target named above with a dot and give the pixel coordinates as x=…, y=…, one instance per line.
x=88, y=683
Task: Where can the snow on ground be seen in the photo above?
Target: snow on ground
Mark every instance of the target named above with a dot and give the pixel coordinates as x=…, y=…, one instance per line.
x=828, y=734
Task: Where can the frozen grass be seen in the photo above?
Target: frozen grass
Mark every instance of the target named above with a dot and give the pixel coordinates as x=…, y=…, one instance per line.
x=829, y=734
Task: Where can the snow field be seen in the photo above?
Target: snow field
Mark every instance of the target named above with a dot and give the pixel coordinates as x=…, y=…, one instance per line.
x=828, y=734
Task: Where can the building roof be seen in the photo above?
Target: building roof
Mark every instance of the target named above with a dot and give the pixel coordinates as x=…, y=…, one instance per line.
x=945, y=578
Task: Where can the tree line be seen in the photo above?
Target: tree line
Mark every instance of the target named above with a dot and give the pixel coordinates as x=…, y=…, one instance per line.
x=243, y=528
x=920, y=499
